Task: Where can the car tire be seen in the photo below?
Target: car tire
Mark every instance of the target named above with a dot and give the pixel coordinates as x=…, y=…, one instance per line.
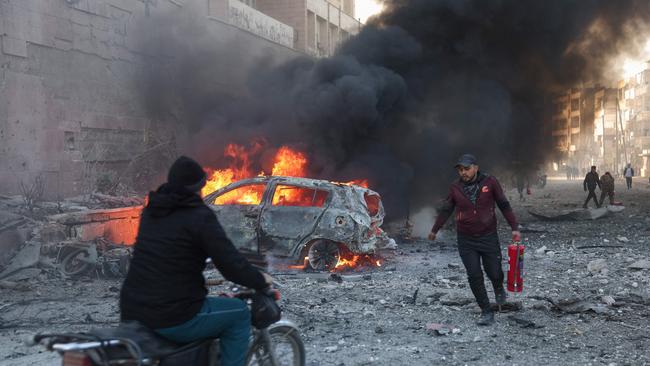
x=323, y=254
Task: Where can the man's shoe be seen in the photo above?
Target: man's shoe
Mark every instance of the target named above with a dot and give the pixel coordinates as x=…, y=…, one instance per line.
x=584, y=206
x=487, y=317
x=500, y=296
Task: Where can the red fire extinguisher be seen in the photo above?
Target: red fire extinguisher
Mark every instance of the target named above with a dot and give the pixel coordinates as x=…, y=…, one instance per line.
x=516, y=267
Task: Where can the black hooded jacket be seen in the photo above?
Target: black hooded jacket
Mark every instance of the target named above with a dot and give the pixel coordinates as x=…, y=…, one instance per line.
x=165, y=284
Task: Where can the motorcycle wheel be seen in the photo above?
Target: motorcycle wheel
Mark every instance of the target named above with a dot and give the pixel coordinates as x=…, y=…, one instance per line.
x=289, y=349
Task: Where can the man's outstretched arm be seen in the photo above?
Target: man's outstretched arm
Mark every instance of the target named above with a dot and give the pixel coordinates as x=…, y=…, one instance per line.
x=444, y=211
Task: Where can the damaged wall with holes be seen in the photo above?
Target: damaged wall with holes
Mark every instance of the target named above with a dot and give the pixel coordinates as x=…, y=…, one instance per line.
x=69, y=103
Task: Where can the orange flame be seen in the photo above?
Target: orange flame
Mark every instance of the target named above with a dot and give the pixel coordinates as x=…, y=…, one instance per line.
x=287, y=162
x=357, y=262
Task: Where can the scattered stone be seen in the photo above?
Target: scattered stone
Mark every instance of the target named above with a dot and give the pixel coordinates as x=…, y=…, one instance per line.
x=641, y=264
x=453, y=265
x=622, y=239
x=454, y=300
x=524, y=323
x=439, y=329
x=597, y=266
x=608, y=300
x=379, y=330
x=541, y=250
x=331, y=349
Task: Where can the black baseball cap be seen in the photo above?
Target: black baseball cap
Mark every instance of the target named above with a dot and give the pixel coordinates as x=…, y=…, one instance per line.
x=466, y=160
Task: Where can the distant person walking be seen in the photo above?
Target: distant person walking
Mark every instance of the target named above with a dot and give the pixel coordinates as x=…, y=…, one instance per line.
x=607, y=188
x=590, y=183
x=522, y=181
x=628, y=173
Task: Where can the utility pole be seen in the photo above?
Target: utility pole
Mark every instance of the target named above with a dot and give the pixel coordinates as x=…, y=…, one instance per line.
x=618, y=155
x=602, y=111
x=620, y=118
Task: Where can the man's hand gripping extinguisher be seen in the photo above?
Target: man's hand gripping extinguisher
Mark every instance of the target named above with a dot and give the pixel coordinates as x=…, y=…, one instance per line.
x=516, y=266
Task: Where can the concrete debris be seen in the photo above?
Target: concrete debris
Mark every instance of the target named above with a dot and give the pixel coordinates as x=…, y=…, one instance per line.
x=532, y=228
x=439, y=329
x=9, y=285
x=456, y=300
x=576, y=305
x=524, y=323
x=608, y=300
x=541, y=250
x=597, y=266
x=577, y=215
x=622, y=239
x=597, y=319
x=28, y=256
x=641, y=264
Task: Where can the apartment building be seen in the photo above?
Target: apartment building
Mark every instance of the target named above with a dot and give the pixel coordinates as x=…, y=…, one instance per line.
x=634, y=111
x=320, y=26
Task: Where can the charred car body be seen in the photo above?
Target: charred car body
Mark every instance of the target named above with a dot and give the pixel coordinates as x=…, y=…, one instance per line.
x=300, y=217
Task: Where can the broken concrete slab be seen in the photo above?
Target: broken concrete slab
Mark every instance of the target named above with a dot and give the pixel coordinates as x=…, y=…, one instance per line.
x=641, y=264
x=576, y=305
x=118, y=225
x=23, y=274
x=28, y=256
x=578, y=214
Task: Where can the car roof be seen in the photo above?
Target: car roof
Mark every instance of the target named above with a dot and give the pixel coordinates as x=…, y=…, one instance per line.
x=308, y=182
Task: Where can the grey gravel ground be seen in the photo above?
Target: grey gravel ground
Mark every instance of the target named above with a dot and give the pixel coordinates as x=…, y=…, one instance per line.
x=372, y=317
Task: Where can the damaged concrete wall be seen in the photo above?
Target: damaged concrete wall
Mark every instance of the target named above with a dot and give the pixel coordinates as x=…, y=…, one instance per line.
x=68, y=95
x=119, y=225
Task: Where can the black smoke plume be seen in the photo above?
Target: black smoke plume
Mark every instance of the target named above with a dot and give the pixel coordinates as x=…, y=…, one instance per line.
x=423, y=82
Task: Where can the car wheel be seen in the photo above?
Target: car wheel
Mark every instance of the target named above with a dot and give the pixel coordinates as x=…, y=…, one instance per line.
x=323, y=255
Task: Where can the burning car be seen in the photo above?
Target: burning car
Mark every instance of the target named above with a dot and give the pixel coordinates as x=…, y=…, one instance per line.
x=300, y=218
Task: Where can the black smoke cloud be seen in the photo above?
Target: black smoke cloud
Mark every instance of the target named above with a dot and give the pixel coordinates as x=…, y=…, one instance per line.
x=420, y=84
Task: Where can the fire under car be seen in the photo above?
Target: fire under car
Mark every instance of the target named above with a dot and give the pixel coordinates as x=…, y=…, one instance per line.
x=298, y=218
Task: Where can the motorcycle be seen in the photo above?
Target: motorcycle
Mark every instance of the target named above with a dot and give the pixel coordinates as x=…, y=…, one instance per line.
x=131, y=343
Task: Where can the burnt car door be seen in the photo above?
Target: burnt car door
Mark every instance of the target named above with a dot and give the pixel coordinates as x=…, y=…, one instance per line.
x=238, y=210
x=290, y=216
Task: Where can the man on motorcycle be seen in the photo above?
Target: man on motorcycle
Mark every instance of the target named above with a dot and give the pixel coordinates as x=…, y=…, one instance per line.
x=165, y=288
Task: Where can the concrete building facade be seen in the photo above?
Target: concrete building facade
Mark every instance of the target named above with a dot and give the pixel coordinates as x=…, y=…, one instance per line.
x=320, y=25
x=68, y=74
x=586, y=129
x=634, y=96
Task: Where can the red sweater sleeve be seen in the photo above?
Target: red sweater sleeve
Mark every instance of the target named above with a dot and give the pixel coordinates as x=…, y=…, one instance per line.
x=504, y=205
x=444, y=211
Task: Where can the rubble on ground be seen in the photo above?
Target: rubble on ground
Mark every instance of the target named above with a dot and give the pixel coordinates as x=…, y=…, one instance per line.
x=586, y=299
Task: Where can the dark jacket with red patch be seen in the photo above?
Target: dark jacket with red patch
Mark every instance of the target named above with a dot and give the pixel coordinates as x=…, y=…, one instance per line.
x=476, y=219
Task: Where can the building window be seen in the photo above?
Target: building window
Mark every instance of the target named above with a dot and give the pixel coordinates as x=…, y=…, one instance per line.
x=575, y=104
x=575, y=122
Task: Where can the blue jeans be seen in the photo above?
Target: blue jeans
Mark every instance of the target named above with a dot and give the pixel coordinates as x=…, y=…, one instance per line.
x=223, y=317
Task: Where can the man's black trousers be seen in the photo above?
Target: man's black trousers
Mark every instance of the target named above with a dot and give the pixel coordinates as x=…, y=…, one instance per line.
x=475, y=250
x=592, y=194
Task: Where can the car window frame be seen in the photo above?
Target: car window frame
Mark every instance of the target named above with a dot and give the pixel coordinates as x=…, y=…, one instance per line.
x=273, y=187
x=209, y=199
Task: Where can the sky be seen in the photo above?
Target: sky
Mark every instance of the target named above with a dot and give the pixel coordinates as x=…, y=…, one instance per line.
x=366, y=8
